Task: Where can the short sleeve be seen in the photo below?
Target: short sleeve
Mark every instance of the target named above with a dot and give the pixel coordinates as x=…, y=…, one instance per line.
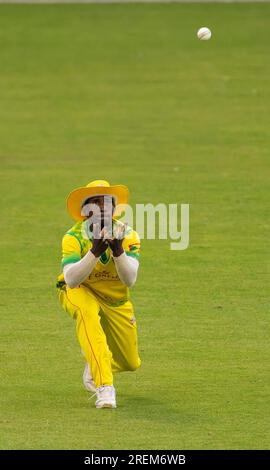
x=71, y=250
x=131, y=244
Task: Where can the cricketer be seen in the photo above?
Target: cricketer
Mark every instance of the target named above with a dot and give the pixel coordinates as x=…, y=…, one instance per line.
x=99, y=264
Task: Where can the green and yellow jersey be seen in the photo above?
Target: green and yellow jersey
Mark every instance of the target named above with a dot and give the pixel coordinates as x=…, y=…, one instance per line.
x=103, y=280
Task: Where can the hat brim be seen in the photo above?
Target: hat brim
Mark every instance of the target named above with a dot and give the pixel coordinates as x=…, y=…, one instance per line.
x=77, y=197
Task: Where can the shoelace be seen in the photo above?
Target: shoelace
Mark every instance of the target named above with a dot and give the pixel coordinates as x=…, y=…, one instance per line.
x=95, y=394
x=92, y=396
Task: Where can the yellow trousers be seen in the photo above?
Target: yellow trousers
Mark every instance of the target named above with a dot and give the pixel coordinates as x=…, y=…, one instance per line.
x=107, y=335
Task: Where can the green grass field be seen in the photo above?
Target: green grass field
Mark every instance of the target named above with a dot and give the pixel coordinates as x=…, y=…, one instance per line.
x=128, y=93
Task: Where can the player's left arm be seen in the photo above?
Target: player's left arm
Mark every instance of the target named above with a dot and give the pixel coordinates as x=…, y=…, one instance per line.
x=125, y=247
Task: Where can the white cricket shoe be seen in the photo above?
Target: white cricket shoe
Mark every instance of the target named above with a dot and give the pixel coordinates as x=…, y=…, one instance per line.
x=105, y=397
x=88, y=379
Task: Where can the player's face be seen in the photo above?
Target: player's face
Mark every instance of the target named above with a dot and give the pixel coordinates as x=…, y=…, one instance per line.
x=105, y=205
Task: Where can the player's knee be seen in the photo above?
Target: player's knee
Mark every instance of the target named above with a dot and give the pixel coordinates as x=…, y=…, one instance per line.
x=134, y=364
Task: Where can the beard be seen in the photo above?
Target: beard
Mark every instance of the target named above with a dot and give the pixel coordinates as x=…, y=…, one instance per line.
x=103, y=221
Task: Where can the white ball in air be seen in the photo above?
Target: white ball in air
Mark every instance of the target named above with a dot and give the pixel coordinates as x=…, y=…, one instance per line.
x=204, y=34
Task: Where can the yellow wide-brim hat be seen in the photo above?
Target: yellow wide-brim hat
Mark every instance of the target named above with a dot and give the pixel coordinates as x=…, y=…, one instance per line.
x=77, y=197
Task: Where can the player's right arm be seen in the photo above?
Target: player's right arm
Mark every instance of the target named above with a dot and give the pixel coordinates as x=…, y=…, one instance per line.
x=75, y=268
x=74, y=272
